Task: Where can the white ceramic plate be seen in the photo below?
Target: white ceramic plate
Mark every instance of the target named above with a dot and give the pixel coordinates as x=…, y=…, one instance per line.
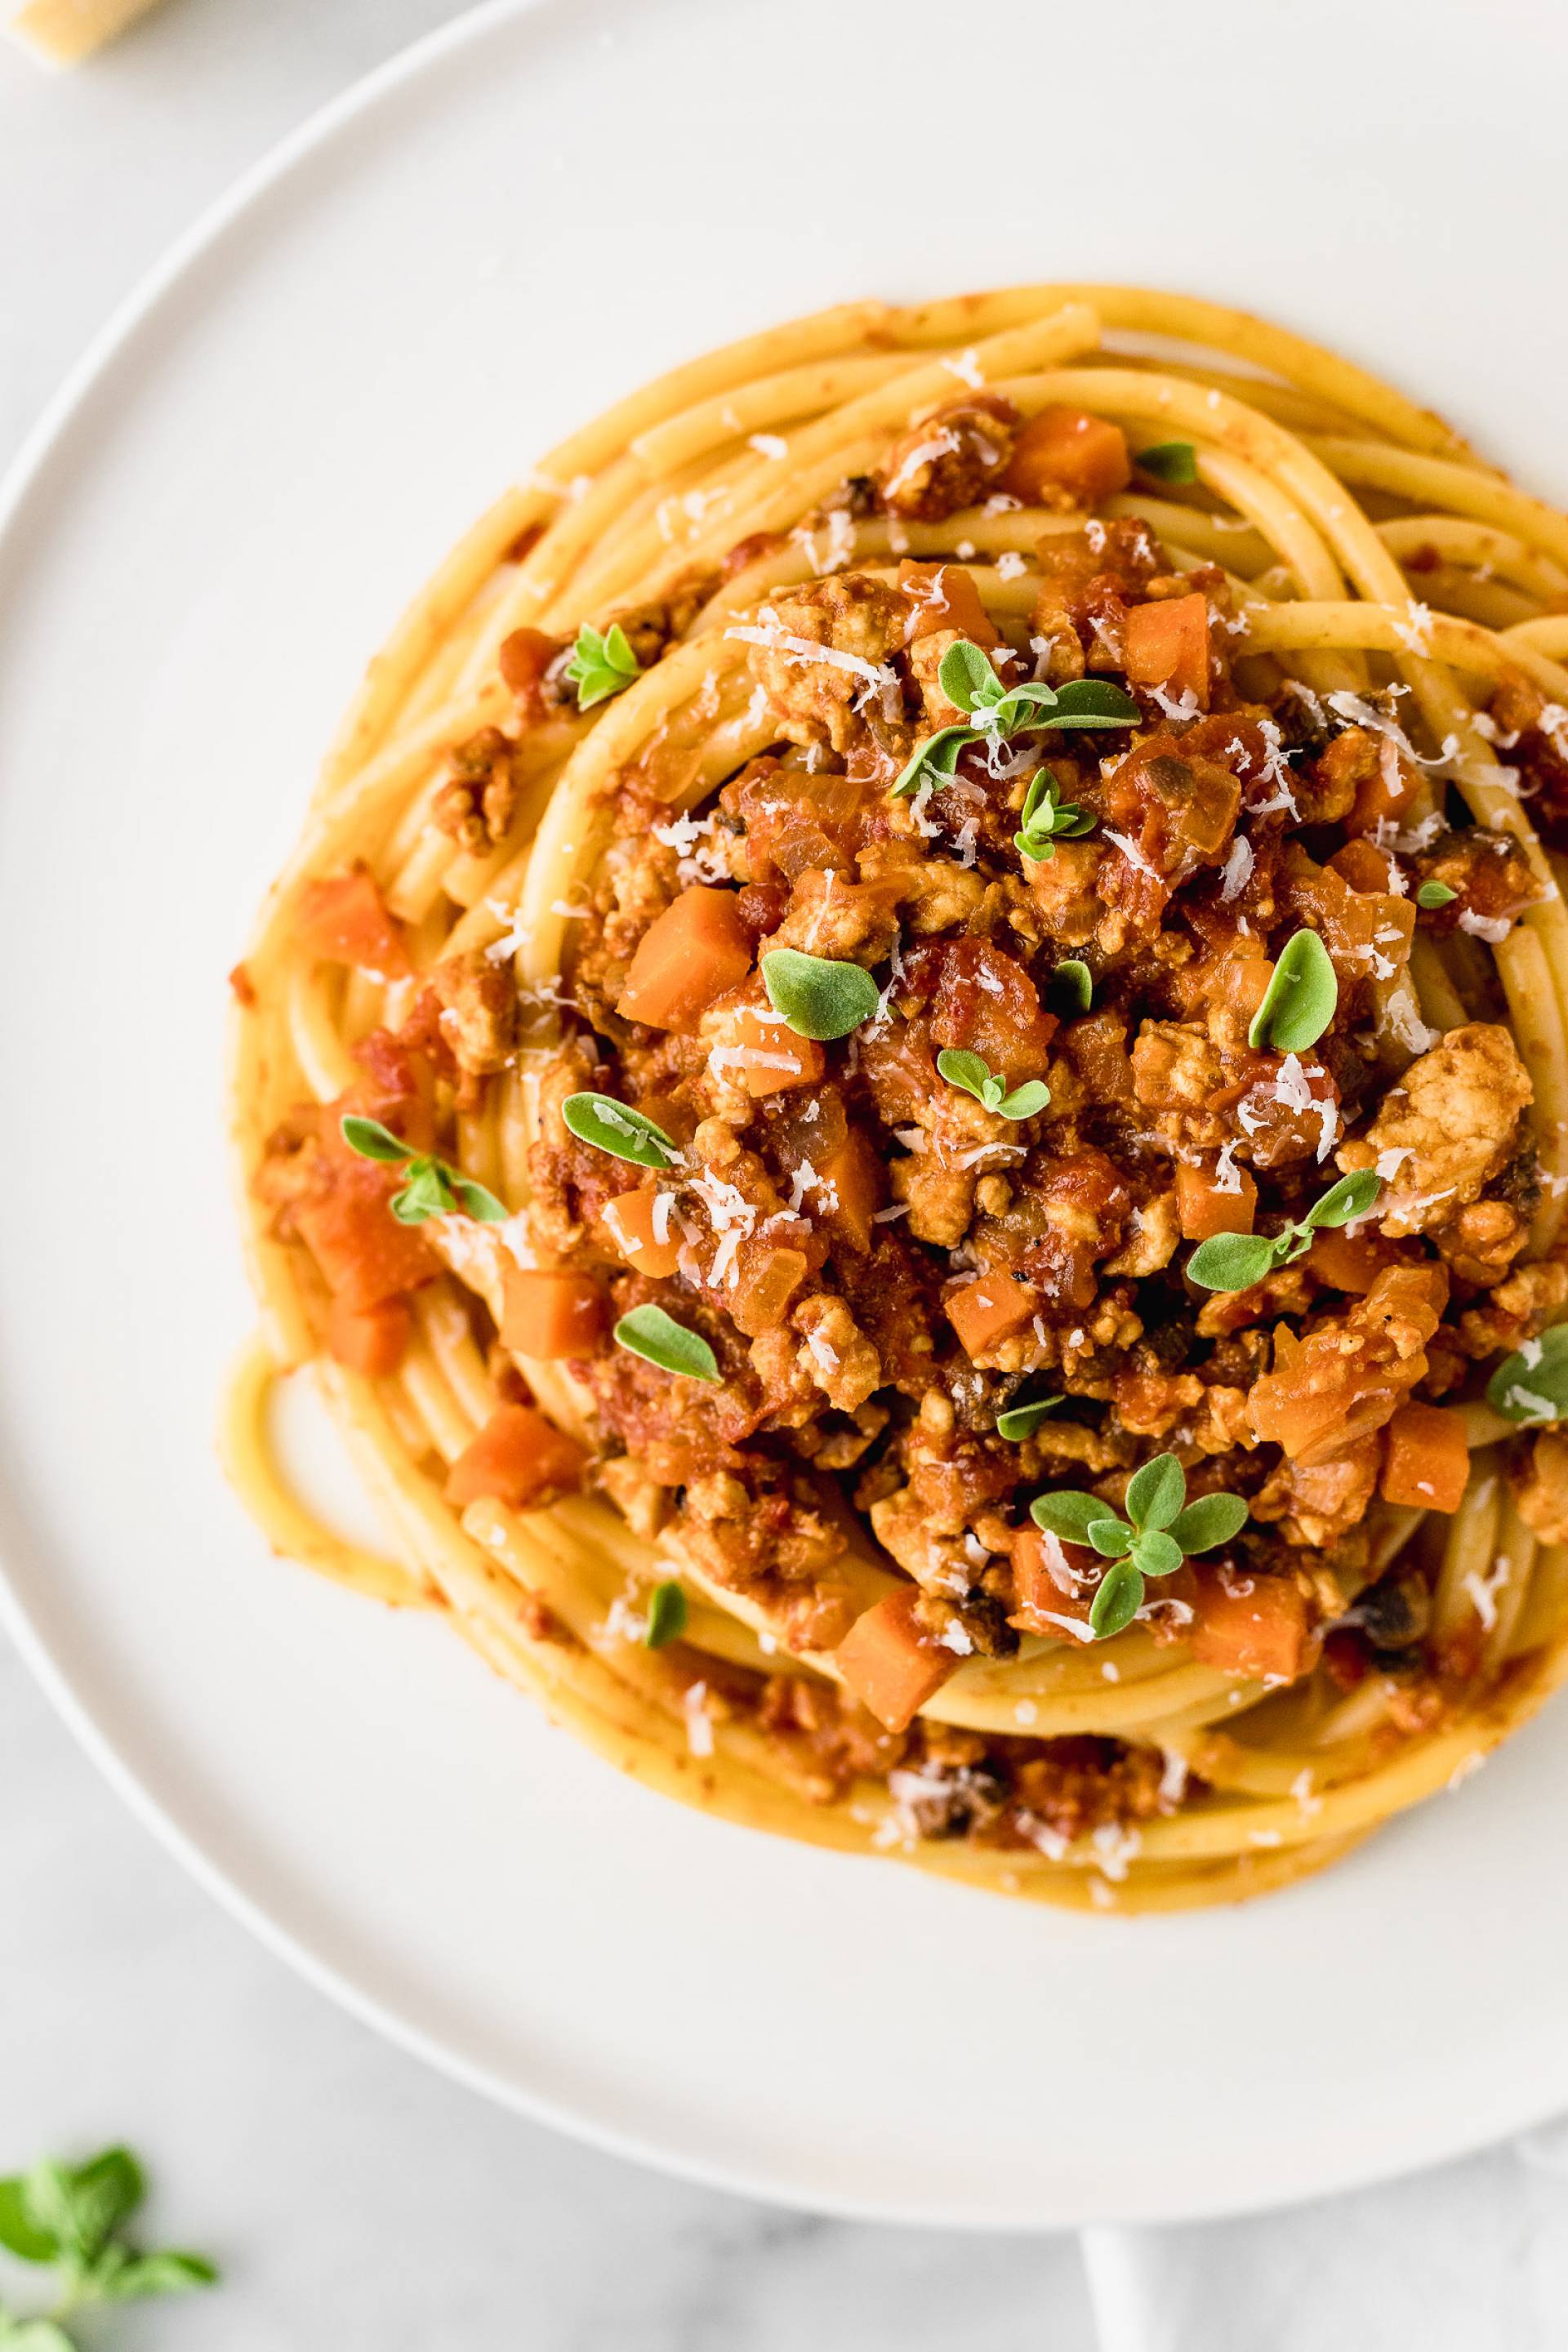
x=270, y=450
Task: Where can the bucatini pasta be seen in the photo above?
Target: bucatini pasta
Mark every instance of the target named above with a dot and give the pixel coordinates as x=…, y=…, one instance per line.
x=909, y=1093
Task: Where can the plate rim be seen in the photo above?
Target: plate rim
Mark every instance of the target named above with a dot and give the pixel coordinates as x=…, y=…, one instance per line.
x=23, y=478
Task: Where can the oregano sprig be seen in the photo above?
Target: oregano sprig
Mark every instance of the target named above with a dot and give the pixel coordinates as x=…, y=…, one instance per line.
x=601, y=665
x=1432, y=895
x=433, y=1188
x=1162, y=1529
x=971, y=1071
x=994, y=712
x=71, y=2218
x=1236, y=1261
x=1043, y=820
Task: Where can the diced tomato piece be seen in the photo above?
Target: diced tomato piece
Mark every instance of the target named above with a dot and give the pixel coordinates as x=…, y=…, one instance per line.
x=1167, y=645
x=1253, y=1625
x=890, y=1663
x=1067, y=449
x=632, y=1224
x=762, y=1052
x=364, y=1252
x=1205, y=1206
x=945, y=597
x=984, y=1311
x=1426, y=1461
x=372, y=1340
x=692, y=954
x=345, y=920
x=550, y=1312
x=519, y=1458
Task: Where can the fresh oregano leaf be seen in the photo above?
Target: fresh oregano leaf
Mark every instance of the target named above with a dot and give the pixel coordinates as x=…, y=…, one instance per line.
x=21, y=2231
x=1069, y=1514
x=1433, y=894
x=667, y=1615
x=601, y=665
x=1156, y=1492
x=966, y=677
x=1117, y=1601
x=614, y=1126
x=1169, y=461
x=1021, y=1420
x=1212, y=1520
x=1110, y=1537
x=659, y=1338
x=937, y=757
x=1026, y=1100
x=1070, y=987
x=1531, y=1385
x=1298, y=1003
x=373, y=1142
x=1351, y=1198
x=1091, y=702
x=1232, y=1261
x=1155, y=1553
x=818, y=996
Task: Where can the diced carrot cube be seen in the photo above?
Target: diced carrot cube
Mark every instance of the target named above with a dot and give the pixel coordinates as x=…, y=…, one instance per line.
x=370, y=1339
x=984, y=1311
x=345, y=920
x=945, y=597
x=550, y=1312
x=519, y=1458
x=890, y=1663
x=1042, y=1578
x=1253, y=1625
x=762, y=1052
x=851, y=1188
x=1067, y=449
x=633, y=1223
x=1205, y=1206
x=1426, y=1461
x=1167, y=645
x=364, y=1252
x=692, y=954
x=1350, y=1261
x=1361, y=865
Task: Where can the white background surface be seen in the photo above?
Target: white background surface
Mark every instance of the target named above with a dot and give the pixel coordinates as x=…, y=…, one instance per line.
x=354, y=2197
x=357, y=2199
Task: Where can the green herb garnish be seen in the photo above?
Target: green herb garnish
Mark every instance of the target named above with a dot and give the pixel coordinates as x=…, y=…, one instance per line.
x=1435, y=894
x=72, y=2217
x=816, y=996
x=1021, y=1420
x=1161, y=1534
x=1070, y=987
x=1169, y=461
x=996, y=712
x=659, y=1338
x=1298, y=1003
x=1044, y=821
x=614, y=1126
x=1531, y=1385
x=433, y=1188
x=1236, y=1261
x=601, y=665
x=961, y=1068
x=666, y=1614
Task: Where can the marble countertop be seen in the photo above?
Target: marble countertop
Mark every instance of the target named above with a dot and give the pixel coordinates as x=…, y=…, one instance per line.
x=352, y=2197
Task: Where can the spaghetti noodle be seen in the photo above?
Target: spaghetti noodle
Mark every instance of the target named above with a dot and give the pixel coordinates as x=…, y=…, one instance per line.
x=912, y=1070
